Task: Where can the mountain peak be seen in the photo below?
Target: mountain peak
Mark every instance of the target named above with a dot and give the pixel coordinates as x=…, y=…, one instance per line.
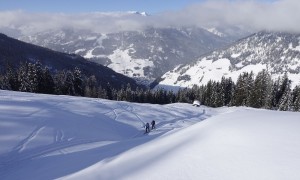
x=138, y=13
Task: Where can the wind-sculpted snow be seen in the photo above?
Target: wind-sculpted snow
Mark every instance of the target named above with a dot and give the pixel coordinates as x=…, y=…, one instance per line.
x=49, y=137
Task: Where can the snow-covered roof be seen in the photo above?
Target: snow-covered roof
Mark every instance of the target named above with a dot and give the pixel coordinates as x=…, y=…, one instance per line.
x=197, y=102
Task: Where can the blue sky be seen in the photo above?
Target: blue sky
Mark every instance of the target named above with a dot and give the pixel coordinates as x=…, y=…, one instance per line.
x=74, y=6
x=151, y=6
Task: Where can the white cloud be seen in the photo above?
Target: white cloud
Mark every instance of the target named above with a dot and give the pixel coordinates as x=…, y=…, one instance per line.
x=282, y=15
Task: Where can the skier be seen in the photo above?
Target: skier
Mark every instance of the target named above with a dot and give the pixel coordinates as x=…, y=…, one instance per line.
x=153, y=124
x=147, y=128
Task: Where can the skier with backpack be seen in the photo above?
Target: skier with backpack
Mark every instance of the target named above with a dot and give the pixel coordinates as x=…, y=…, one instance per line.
x=147, y=127
x=152, y=124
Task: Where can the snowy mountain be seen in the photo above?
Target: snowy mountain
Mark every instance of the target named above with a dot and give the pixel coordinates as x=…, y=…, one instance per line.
x=278, y=52
x=144, y=55
x=13, y=52
x=51, y=137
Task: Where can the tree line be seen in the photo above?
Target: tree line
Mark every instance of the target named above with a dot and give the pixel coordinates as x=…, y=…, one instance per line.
x=258, y=92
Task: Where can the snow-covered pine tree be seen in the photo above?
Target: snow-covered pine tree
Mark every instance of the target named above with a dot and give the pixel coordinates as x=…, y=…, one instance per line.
x=4, y=83
x=59, y=81
x=128, y=93
x=249, y=87
x=69, y=83
x=260, y=93
x=218, y=95
x=77, y=82
x=12, y=78
x=242, y=90
x=148, y=96
x=32, y=78
x=91, y=85
x=208, y=92
x=285, y=101
x=274, y=93
x=40, y=77
x=296, y=98
x=171, y=97
x=238, y=95
x=102, y=93
x=23, y=78
x=227, y=87
x=282, y=85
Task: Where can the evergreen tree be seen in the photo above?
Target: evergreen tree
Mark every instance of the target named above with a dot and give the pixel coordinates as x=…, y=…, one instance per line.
x=32, y=78
x=39, y=71
x=12, y=79
x=148, y=97
x=69, y=83
x=128, y=93
x=274, y=93
x=159, y=96
x=208, y=92
x=46, y=82
x=109, y=92
x=171, y=97
x=91, y=86
x=77, y=82
x=242, y=90
x=121, y=94
x=220, y=101
x=227, y=88
x=4, y=83
x=296, y=98
x=59, y=81
x=114, y=94
x=102, y=93
x=285, y=101
x=261, y=91
x=23, y=78
x=138, y=95
x=283, y=84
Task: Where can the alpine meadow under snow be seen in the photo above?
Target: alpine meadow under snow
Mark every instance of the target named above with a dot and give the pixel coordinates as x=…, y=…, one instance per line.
x=64, y=137
x=230, y=55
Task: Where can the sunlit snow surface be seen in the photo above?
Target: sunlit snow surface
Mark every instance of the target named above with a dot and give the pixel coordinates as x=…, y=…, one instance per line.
x=49, y=137
x=276, y=52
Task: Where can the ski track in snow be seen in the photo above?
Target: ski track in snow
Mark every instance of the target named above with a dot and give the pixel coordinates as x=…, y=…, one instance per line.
x=27, y=140
x=131, y=110
x=9, y=163
x=63, y=137
x=21, y=154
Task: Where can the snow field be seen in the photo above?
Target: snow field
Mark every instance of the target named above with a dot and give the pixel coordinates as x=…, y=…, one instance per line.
x=47, y=137
x=63, y=137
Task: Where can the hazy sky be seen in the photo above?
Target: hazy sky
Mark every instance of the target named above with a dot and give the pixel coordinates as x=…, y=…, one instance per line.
x=39, y=15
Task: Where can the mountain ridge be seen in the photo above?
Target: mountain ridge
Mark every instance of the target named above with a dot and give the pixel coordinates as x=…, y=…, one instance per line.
x=279, y=52
x=13, y=51
x=142, y=55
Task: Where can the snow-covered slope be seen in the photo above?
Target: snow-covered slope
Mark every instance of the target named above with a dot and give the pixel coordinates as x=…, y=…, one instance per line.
x=277, y=52
x=144, y=55
x=48, y=137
